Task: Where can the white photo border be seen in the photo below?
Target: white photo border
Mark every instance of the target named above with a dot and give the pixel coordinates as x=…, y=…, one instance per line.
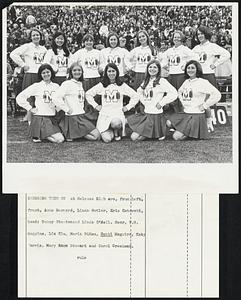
x=142, y=178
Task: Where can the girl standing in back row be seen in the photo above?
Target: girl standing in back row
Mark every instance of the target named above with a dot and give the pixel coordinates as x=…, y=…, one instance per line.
x=140, y=56
x=30, y=57
x=58, y=57
x=209, y=55
x=174, y=59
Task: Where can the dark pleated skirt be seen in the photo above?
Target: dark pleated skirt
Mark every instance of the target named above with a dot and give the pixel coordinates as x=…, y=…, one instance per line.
x=90, y=113
x=148, y=125
x=59, y=114
x=88, y=83
x=192, y=125
x=175, y=80
x=211, y=78
x=59, y=79
x=74, y=127
x=43, y=126
x=29, y=79
x=137, y=80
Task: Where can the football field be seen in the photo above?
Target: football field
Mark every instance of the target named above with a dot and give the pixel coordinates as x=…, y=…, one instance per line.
x=21, y=149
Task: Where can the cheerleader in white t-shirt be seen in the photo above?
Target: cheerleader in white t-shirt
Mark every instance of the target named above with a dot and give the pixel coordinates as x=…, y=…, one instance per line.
x=154, y=92
x=174, y=59
x=206, y=54
x=58, y=57
x=30, y=57
x=140, y=56
x=43, y=125
x=115, y=54
x=196, y=94
x=111, y=117
x=75, y=125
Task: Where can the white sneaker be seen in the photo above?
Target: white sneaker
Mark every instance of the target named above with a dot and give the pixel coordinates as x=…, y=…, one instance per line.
x=161, y=138
x=168, y=123
x=117, y=138
x=37, y=141
x=69, y=140
x=210, y=125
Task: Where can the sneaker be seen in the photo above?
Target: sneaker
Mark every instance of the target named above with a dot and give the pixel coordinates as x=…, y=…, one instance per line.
x=36, y=140
x=210, y=125
x=117, y=138
x=169, y=123
x=69, y=140
x=171, y=129
x=161, y=138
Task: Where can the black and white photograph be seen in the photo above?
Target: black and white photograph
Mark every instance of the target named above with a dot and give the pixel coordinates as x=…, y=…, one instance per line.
x=120, y=84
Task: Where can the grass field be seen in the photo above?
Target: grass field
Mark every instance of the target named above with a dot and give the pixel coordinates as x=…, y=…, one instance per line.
x=20, y=148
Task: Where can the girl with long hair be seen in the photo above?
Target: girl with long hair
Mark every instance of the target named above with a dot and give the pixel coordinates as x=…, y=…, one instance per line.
x=154, y=92
x=174, y=59
x=197, y=95
x=140, y=56
x=111, y=118
x=209, y=55
x=58, y=57
x=74, y=124
x=115, y=54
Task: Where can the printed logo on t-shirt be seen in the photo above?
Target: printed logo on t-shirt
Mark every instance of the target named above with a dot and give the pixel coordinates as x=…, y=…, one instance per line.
x=62, y=61
x=143, y=58
x=38, y=58
x=47, y=96
x=81, y=96
x=148, y=94
x=111, y=96
x=91, y=63
x=174, y=60
x=202, y=57
x=114, y=59
x=187, y=94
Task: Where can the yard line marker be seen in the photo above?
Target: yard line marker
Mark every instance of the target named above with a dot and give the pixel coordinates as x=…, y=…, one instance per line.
x=18, y=142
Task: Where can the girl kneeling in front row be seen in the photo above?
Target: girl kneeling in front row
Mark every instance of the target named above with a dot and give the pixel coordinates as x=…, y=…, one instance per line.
x=75, y=124
x=111, y=117
x=196, y=95
x=152, y=124
x=43, y=125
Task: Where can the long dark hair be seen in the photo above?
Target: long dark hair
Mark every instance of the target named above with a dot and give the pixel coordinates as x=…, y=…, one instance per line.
x=106, y=81
x=206, y=31
x=147, y=75
x=198, y=66
x=55, y=47
x=153, y=52
x=108, y=39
